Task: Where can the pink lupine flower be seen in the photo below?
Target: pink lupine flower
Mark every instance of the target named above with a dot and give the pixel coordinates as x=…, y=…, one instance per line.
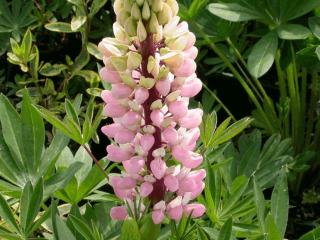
x=151, y=67
x=119, y=213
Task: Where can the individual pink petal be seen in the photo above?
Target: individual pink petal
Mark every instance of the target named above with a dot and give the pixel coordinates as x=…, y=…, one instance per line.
x=175, y=213
x=163, y=86
x=146, y=142
x=178, y=108
x=171, y=183
x=191, y=53
x=130, y=118
x=179, y=153
x=134, y=165
x=193, y=161
x=119, y=213
x=191, y=40
x=187, y=185
x=126, y=183
x=191, y=87
x=124, y=135
x=110, y=76
x=170, y=135
x=157, y=216
x=196, y=209
x=186, y=69
x=111, y=129
x=146, y=189
x=141, y=95
x=198, y=190
x=124, y=194
x=114, y=110
x=192, y=119
x=157, y=117
x=117, y=154
x=158, y=168
x=192, y=136
x=107, y=96
x=121, y=91
x=197, y=175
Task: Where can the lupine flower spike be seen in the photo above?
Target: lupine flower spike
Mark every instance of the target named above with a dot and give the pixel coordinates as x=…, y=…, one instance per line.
x=150, y=65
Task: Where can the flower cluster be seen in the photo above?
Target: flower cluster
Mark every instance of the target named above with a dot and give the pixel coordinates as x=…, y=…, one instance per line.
x=150, y=66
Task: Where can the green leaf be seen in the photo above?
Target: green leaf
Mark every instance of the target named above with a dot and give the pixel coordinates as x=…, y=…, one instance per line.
x=314, y=24
x=280, y=203
x=293, y=32
x=149, y=230
x=77, y=22
x=318, y=52
x=82, y=227
x=232, y=12
x=59, y=27
x=208, y=127
x=260, y=205
x=239, y=185
x=49, y=70
x=63, y=127
x=312, y=235
x=59, y=142
x=7, y=215
x=31, y=200
x=233, y=130
x=26, y=44
x=83, y=157
x=130, y=230
x=72, y=113
x=226, y=230
x=81, y=60
x=11, y=129
x=92, y=179
x=90, y=76
x=273, y=232
x=96, y=6
x=299, y=8
x=9, y=170
x=33, y=133
x=94, y=51
x=262, y=55
x=60, y=228
x=61, y=179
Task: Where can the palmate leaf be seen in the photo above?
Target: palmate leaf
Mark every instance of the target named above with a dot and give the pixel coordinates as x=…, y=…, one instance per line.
x=16, y=16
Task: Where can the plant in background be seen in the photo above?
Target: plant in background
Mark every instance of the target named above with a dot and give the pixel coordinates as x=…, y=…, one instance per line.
x=150, y=65
x=284, y=41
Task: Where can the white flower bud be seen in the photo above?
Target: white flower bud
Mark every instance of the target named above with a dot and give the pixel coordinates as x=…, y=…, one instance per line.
x=141, y=32
x=134, y=60
x=146, y=11
x=156, y=105
x=147, y=83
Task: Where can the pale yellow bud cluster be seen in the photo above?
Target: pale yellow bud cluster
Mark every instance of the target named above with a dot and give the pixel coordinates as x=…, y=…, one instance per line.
x=138, y=17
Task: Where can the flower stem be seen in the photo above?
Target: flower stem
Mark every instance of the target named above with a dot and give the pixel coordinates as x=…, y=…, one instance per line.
x=148, y=48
